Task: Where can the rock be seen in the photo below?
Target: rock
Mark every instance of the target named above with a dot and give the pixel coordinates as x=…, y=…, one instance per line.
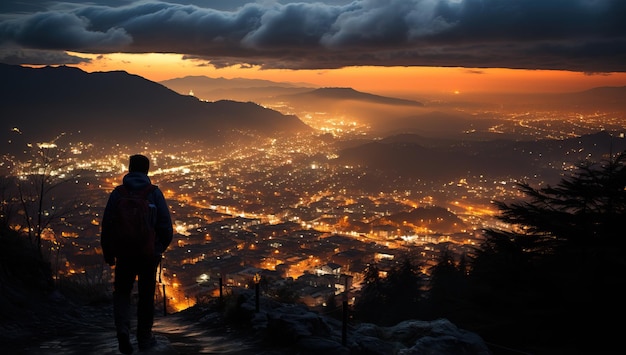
x=275, y=330
x=305, y=331
x=424, y=337
x=319, y=345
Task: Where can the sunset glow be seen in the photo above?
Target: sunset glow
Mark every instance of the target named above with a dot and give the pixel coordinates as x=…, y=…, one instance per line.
x=385, y=80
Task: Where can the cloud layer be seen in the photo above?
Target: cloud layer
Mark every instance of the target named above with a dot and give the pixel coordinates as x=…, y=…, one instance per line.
x=579, y=35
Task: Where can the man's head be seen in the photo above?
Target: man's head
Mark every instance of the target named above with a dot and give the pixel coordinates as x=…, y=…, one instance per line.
x=138, y=163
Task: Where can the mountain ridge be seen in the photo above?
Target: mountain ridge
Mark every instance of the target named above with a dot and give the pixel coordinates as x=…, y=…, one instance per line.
x=424, y=158
x=208, y=88
x=118, y=106
x=241, y=89
x=347, y=93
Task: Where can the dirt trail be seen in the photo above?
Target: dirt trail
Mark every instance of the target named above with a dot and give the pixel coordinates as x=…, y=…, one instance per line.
x=88, y=330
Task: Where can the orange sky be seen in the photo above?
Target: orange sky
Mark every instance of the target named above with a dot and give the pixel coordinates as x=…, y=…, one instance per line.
x=158, y=67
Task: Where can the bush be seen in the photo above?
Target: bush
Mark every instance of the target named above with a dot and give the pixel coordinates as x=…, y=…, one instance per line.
x=22, y=266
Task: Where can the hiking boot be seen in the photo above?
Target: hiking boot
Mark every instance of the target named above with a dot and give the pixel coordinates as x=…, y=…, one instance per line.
x=124, y=343
x=147, y=343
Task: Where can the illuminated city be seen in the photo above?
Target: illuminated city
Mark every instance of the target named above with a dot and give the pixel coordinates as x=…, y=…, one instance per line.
x=281, y=208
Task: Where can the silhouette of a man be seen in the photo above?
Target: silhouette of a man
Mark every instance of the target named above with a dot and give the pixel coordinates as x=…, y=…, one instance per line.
x=128, y=267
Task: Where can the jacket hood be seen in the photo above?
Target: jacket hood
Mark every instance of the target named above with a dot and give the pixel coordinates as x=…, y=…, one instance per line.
x=136, y=180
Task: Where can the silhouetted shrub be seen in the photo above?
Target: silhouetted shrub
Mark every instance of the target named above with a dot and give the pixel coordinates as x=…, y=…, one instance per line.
x=84, y=292
x=21, y=264
x=233, y=311
x=391, y=299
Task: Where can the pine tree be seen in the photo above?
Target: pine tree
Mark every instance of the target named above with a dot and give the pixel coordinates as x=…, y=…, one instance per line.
x=447, y=285
x=403, y=288
x=562, y=258
x=369, y=304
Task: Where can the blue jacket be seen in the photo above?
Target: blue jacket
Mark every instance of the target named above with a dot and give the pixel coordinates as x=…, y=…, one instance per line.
x=164, y=229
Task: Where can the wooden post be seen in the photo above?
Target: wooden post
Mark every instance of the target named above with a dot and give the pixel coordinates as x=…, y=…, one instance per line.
x=256, y=279
x=220, y=288
x=344, y=324
x=164, y=302
x=344, y=304
x=256, y=292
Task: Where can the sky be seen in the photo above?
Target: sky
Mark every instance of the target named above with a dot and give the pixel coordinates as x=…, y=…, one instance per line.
x=438, y=45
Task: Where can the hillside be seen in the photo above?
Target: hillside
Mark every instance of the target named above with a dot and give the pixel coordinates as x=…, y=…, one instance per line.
x=336, y=94
x=434, y=218
x=45, y=102
x=599, y=98
x=239, y=89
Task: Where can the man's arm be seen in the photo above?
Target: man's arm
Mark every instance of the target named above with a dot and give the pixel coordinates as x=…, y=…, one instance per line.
x=164, y=229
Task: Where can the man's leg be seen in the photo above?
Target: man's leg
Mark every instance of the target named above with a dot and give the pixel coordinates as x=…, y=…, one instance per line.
x=123, y=286
x=145, y=304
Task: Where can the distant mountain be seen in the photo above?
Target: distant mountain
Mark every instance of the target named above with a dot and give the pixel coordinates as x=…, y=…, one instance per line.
x=240, y=89
x=437, y=124
x=374, y=111
x=602, y=99
x=223, y=83
x=414, y=156
x=255, y=89
x=599, y=98
x=117, y=106
x=344, y=94
x=406, y=159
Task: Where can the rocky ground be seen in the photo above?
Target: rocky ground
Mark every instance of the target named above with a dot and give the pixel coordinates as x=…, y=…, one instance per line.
x=60, y=327
x=56, y=325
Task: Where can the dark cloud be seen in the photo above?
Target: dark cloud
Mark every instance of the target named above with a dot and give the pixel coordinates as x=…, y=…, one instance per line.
x=20, y=56
x=581, y=35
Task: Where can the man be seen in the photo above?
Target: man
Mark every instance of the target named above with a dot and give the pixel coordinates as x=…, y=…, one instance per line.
x=128, y=266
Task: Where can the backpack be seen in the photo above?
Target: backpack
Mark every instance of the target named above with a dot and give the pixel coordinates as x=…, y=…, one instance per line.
x=134, y=220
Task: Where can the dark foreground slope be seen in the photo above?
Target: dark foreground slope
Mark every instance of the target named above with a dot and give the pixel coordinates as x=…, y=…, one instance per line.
x=40, y=317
